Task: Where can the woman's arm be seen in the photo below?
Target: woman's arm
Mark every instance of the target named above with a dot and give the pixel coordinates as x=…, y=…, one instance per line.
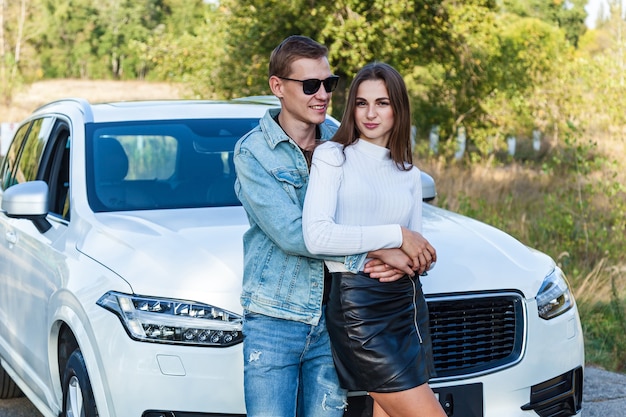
x=322, y=235
x=414, y=244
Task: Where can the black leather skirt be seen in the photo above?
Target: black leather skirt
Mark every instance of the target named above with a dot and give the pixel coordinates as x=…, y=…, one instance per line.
x=379, y=333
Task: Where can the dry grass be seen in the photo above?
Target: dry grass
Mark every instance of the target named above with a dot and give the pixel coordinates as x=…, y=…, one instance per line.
x=601, y=284
x=36, y=94
x=491, y=183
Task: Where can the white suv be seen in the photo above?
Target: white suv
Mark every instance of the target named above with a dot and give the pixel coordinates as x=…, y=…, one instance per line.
x=121, y=265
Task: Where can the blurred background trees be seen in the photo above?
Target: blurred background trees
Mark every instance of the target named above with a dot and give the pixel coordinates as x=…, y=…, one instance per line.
x=495, y=67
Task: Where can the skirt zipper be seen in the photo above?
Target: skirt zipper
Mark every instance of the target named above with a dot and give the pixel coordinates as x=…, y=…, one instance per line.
x=419, y=335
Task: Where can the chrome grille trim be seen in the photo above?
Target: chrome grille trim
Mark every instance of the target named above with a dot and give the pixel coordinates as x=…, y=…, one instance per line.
x=476, y=334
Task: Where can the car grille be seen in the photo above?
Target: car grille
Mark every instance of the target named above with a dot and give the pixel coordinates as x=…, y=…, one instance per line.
x=475, y=334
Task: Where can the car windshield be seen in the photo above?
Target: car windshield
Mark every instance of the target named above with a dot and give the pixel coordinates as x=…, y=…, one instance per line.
x=164, y=164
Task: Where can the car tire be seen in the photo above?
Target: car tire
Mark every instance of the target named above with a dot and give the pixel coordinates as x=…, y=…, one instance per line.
x=8, y=388
x=78, y=399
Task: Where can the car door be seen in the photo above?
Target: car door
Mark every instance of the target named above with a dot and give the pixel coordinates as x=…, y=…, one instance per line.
x=31, y=264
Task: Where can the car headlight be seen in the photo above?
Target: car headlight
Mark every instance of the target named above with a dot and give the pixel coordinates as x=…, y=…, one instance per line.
x=151, y=319
x=554, y=297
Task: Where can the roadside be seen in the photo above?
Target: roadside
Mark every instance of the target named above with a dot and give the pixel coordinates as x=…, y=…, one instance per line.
x=604, y=395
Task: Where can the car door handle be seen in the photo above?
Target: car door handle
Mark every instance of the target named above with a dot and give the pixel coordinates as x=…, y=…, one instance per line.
x=11, y=237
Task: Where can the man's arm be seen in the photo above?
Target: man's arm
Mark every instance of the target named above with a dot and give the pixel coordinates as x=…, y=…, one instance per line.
x=268, y=203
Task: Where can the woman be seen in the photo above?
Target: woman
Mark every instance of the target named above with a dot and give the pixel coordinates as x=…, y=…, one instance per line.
x=364, y=194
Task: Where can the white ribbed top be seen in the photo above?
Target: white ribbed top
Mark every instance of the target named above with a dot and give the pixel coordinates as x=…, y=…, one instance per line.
x=357, y=204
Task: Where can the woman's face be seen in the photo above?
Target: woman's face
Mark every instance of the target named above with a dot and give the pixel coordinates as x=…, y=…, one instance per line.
x=373, y=113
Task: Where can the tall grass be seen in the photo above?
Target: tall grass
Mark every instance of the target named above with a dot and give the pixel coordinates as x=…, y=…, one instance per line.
x=568, y=202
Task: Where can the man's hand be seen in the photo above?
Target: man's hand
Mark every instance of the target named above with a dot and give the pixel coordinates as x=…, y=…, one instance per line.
x=418, y=249
x=388, y=265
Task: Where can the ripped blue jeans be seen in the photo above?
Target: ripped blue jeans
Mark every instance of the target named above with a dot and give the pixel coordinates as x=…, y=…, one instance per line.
x=288, y=369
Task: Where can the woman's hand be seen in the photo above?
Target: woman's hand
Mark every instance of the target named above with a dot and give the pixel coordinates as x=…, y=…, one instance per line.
x=418, y=249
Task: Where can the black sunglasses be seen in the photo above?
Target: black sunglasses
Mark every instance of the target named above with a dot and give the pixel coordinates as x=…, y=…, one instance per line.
x=311, y=86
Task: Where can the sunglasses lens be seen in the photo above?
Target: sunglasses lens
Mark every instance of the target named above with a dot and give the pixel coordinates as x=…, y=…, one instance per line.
x=330, y=83
x=310, y=87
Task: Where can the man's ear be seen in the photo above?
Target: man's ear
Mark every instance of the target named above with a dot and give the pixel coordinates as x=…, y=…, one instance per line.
x=276, y=85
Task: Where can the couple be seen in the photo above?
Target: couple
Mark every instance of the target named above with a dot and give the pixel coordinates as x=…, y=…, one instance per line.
x=339, y=262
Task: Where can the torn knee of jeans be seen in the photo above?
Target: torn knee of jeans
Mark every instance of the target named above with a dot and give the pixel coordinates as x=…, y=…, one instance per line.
x=334, y=401
x=255, y=355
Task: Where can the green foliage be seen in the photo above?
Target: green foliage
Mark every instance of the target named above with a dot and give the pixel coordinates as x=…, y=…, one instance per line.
x=86, y=39
x=16, y=27
x=402, y=33
x=566, y=14
x=604, y=322
x=254, y=28
x=66, y=46
x=191, y=57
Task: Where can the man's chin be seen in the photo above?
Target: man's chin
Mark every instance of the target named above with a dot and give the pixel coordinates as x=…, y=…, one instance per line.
x=318, y=118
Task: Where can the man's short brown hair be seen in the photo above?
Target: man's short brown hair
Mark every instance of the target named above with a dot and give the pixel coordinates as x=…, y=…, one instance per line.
x=291, y=49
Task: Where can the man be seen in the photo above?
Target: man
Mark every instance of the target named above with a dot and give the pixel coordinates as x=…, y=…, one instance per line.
x=288, y=366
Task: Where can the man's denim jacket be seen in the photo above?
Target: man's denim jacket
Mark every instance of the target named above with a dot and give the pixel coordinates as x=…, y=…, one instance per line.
x=281, y=278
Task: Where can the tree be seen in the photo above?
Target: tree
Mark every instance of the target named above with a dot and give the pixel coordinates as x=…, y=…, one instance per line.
x=122, y=22
x=601, y=73
x=402, y=33
x=13, y=40
x=569, y=15
x=187, y=47
x=88, y=39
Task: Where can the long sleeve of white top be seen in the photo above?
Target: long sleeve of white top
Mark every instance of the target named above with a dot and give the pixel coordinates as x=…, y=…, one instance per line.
x=357, y=200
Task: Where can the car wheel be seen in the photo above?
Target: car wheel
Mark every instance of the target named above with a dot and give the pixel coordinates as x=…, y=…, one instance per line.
x=8, y=388
x=78, y=400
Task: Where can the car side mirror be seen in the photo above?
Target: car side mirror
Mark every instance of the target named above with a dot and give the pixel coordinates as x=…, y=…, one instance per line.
x=428, y=188
x=28, y=200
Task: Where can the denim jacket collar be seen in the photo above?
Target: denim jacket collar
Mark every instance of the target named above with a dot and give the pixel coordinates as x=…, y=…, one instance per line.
x=275, y=133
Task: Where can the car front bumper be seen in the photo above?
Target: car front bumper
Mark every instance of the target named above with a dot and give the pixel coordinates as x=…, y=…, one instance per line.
x=145, y=379
x=548, y=375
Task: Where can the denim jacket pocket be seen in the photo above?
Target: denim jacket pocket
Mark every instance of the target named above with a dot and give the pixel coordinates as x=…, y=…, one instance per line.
x=292, y=182
x=292, y=177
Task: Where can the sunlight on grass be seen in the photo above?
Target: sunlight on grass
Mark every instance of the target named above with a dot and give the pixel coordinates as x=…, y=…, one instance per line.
x=570, y=204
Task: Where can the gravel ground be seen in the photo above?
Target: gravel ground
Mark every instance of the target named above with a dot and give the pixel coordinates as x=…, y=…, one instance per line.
x=604, y=393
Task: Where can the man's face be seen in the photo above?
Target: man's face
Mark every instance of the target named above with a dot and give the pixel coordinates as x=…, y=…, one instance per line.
x=310, y=109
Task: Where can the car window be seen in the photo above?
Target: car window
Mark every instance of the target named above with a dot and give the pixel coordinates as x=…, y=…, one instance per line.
x=150, y=157
x=9, y=165
x=162, y=164
x=24, y=155
x=56, y=170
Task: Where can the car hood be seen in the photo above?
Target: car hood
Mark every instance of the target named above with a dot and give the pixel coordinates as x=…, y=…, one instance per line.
x=189, y=254
x=473, y=256
x=197, y=254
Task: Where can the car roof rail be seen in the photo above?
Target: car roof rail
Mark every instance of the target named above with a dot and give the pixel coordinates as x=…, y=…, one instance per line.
x=83, y=104
x=265, y=99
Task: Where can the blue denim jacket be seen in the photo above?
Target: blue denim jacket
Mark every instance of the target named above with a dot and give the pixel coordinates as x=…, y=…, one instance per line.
x=281, y=278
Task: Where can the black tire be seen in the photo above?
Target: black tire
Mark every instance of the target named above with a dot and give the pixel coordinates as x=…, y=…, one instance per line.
x=78, y=399
x=8, y=388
